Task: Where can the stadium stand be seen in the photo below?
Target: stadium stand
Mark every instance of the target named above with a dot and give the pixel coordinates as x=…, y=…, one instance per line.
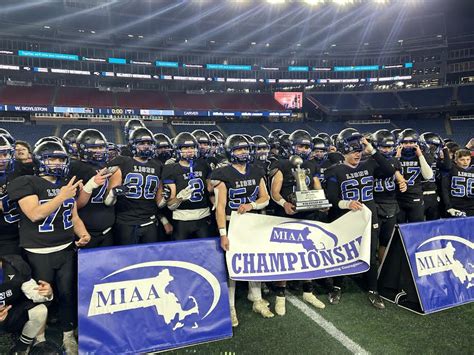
x=462, y=130
x=84, y=97
x=143, y=99
x=466, y=94
x=383, y=100
x=427, y=97
x=23, y=95
x=29, y=133
x=190, y=101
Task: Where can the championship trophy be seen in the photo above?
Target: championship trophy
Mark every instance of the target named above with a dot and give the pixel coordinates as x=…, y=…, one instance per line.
x=304, y=199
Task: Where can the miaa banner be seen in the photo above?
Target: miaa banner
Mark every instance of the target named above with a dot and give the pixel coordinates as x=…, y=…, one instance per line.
x=432, y=268
x=268, y=248
x=149, y=297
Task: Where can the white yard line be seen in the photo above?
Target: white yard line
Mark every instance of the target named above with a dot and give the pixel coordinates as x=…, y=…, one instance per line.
x=348, y=343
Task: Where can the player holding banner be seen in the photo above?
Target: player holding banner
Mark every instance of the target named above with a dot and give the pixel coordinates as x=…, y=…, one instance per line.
x=239, y=187
x=350, y=186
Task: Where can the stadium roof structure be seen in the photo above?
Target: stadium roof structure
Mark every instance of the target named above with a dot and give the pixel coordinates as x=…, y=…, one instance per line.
x=242, y=27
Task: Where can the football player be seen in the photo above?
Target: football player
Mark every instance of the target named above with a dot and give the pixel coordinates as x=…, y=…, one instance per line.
x=97, y=216
x=188, y=183
x=9, y=217
x=283, y=186
x=48, y=225
x=349, y=187
x=135, y=190
x=415, y=169
x=458, y=186
x=441, y=162
x=21, y=308
x=69, y=139
x=239, y=187
x=385, y=189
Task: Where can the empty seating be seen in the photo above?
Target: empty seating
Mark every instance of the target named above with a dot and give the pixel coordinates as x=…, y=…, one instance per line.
x=143, y=99
x=22, y=95
x=427, y=97
x=83, y=97
x=466, y=94
x=383, y=100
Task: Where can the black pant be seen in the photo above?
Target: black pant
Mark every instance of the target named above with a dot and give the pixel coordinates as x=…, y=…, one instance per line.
x=125, y=234
x=59, y=269
x=386, y=228
x=432, y=208
x=191, y=229
x=411, y=211
x=99, y=240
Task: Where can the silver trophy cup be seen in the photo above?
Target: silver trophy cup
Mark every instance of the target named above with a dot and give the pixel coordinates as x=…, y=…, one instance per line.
x=304, y=199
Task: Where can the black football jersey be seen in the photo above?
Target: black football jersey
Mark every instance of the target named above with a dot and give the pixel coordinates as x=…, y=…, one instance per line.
x=195, y=176
x=10, y=214
x=241, y=188
x=411, y=171
x=289, y=183
x=321, y=167
x=96, y=216
x=439, y=166
x=345, y=182
x=458, y=189
x=138, y=205
x=56, y=229
x=385, y=188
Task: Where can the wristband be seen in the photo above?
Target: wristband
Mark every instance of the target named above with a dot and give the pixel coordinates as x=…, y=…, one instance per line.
x=281, y=202
x=90, y=186
x=164, y=220
x=254, y=205
x=222, y=232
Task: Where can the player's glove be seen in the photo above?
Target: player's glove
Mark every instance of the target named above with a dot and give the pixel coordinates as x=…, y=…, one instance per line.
x=456, y=213
x=166, y=192
x=185, y=194
x=121, y=190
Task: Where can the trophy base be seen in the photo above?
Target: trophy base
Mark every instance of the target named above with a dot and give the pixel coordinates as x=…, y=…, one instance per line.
x=309, y=200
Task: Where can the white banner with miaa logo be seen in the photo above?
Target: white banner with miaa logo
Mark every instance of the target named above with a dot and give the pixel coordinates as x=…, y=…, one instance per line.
x=268, y=248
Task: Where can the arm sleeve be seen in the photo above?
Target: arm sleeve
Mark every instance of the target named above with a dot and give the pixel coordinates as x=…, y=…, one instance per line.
x=425, y=167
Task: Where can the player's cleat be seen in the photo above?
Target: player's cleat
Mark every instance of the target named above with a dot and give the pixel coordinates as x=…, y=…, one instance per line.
x=70, y=345
x=376, y=300
x=313, y=300
x=251, y=299
x=233, y=317
x=334, y=297
x=261, y=307
x=280, y=305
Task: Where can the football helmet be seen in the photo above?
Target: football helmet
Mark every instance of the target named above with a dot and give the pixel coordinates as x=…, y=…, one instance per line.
x=164, y=147
x=7, y=155
x=92, y=146
x=45, y=153
x=70, y=138
x=301, y=138
x=235, y=142
x=186, y=140
x=349, y=141
x=142, y=143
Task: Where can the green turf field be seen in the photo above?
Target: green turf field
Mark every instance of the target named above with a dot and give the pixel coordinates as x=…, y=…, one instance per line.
x=390, y=331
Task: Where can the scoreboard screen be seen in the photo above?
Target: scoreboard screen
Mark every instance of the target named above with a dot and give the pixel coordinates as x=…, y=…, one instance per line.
x=290, y=100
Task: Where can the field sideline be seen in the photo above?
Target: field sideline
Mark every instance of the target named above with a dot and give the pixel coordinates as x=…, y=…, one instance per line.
x=391, y=331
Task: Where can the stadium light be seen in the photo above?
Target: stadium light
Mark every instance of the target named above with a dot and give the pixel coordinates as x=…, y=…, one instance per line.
x=276, y=1
x=382, y=2
x=343, y=2
x=313, y=2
